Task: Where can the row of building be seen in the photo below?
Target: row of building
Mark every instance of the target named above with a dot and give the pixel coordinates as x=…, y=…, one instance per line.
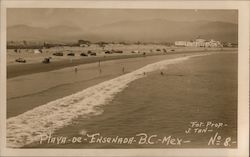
x=199, y=43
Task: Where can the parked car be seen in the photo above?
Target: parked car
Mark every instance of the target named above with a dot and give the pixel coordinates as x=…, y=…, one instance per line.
x=71, y=54
x=172, y=50
x=158, y=49
x=118, y=51
x=21, y=60
x=46, y=60
x=108, y=52
x=93, y=54
x=58, y=54
x=83, y=54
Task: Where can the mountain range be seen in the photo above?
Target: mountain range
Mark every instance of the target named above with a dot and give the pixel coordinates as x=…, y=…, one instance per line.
x=155, y=30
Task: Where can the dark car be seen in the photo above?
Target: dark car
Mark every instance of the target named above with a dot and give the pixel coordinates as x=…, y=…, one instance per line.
x=93, y=54
x=108, y=52
x=58, y=54
x=83, y=54
x=71, y=54
x=158, y=49
x=118, y=51
x=21, y=60
x=172, y=50
x=46, y=60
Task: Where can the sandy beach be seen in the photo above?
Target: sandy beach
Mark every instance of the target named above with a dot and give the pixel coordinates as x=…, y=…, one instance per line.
x=34, y=64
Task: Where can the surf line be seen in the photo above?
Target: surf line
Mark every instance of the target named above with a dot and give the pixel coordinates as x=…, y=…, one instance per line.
x=28, y=127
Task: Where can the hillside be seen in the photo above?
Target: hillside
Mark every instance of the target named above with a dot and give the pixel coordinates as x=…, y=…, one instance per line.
x=155, y=30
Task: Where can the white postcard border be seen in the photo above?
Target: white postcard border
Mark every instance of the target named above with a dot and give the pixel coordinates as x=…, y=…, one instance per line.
x=243, y=77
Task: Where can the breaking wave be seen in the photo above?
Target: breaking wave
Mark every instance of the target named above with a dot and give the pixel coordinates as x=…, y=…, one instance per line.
x=28, y=127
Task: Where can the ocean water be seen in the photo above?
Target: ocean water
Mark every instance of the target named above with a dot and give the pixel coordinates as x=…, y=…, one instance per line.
x=201, y=89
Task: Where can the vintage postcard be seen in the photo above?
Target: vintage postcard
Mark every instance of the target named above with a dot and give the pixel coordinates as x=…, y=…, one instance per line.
x=124, y=78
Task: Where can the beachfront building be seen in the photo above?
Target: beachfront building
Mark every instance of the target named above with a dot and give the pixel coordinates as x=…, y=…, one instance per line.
x=213, y=43
x=180, y=43
x=191, y=44
x=198, y=43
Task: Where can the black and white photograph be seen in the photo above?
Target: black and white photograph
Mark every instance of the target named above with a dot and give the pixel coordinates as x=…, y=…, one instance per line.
x=122, y=78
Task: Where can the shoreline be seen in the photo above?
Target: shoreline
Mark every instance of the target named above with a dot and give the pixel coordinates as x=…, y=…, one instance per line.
x=16, y=70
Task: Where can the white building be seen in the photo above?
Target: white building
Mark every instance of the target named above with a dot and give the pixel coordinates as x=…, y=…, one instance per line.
x=180, y=43
x=198, y=43
x=191, y=44
x=213, y=43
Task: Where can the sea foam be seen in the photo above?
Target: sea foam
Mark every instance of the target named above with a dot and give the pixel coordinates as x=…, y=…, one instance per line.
x=28, y=127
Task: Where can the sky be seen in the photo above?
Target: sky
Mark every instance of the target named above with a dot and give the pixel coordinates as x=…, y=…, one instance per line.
x=87, y=18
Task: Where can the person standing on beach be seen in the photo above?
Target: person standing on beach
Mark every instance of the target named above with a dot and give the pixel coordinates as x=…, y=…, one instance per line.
x=99, y=65
x=76, y=69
